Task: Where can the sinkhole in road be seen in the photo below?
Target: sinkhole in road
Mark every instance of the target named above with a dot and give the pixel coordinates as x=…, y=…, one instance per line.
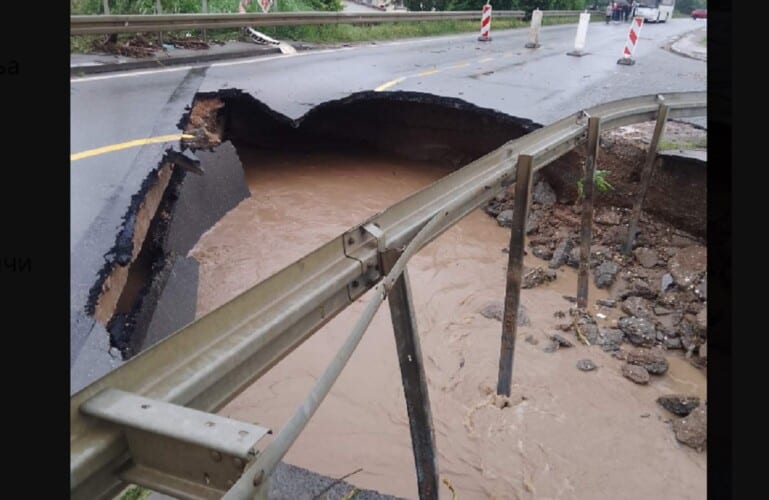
x=174, y=207
x=274, y=188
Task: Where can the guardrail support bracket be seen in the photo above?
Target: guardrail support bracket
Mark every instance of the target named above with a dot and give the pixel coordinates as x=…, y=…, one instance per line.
x=176, y=450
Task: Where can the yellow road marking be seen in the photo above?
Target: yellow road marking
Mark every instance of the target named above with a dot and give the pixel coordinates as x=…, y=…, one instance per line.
x=129, y=144
x=389, y=84
x=428, y=72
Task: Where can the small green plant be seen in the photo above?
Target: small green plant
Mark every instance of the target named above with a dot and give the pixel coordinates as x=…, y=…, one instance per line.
x=695, y=143
x=600, y=182
x=134, y=493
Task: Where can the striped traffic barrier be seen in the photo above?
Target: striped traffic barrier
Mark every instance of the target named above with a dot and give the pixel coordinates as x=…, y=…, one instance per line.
x=485, y=23
x=632, y=41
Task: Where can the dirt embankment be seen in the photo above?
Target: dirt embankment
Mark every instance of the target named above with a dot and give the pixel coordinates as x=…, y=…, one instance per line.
x=658, y=292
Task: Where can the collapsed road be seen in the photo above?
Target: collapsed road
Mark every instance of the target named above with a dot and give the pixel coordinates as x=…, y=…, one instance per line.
x=113, y=109
x=169, y=209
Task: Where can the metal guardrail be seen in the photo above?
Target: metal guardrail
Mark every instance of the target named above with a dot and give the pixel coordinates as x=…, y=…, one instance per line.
x=567, y=13
x=94, y=25
x=210, y=361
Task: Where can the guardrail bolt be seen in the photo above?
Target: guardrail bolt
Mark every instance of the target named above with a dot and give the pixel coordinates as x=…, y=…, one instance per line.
x=238, y=463
x=216, y=456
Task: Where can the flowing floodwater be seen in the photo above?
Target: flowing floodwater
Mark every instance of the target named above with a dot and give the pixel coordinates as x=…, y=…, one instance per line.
x=568, y=434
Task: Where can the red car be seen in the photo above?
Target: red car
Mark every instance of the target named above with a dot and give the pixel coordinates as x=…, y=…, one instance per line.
x=699, y=14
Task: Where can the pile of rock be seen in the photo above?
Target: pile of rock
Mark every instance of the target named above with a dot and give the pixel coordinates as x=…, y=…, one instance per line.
x=661, y=288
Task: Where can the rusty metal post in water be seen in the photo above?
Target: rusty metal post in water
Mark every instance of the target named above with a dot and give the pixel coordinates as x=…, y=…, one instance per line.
x=514, y=273
x=414, y=381
x=646, y=176
x=253, y=482
x=593, y=126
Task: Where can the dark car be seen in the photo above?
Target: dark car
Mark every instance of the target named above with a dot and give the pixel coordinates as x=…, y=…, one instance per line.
x=699, y=14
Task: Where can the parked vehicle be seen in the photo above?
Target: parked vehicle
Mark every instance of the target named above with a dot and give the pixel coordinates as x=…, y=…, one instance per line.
x=655, y=11
x=699, y=14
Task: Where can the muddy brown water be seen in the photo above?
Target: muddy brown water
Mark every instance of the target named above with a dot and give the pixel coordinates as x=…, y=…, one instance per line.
x=568, y=435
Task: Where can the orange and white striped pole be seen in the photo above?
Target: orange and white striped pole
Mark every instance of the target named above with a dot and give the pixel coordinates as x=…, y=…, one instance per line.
x=632, y=40
x=485, y=23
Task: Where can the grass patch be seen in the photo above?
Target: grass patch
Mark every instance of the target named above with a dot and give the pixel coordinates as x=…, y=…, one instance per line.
x=134, y=493
x=667, y=145
x=341, y=33
x=552, y=21
x=93, y=7
x=318, y=33
x=83, y=44
x=88, y=7
x=326, y=33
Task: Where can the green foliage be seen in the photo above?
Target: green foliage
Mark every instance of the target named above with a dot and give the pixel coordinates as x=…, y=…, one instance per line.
x=529, y=5
x=696, y=143
x=599, y=181
x=687, y=6
x=526, y=5
x=194, y=6
x=148, y=6
x=318, y=33
x=427, y=4
x=330, y=5
x=134, y=493
x=336, y=33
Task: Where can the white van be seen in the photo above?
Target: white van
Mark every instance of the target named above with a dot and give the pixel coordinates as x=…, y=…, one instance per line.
x=655, y=11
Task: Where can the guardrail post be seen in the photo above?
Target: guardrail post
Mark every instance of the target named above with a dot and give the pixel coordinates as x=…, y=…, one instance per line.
x=204, y=10
x=159, y=10
x=514, y=273
x=593, y=131
x=105, y=4
x=414, y=381
x=646, y=176
x=536, y=24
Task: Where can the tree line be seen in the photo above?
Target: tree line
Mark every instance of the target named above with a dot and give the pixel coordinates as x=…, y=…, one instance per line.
x=525, y=5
